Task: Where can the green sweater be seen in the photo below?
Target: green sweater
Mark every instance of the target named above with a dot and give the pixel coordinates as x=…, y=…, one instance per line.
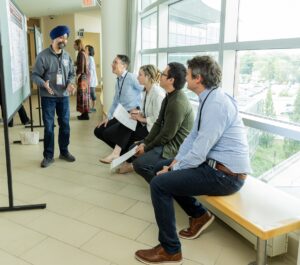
x=174, y=123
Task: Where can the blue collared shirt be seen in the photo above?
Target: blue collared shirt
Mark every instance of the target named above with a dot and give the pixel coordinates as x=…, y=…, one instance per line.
x=128, y=92
x=222, y=135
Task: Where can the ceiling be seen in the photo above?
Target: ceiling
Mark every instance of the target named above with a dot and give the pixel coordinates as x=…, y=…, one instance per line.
x=39, y=8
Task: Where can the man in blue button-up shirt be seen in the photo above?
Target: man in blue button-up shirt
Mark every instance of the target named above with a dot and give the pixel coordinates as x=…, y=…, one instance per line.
x=212, y=160
x=128, y=92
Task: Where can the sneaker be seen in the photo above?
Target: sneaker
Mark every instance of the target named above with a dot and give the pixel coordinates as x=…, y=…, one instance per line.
x=197, y=226
x=47, y=162
x=68, y=157
x=158, y=255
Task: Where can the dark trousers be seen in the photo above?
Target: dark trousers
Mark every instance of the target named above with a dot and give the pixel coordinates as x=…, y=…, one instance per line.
x=23, y=116
x=145, y=164
x=115, y=133
x=61, y=106
x=184, y=184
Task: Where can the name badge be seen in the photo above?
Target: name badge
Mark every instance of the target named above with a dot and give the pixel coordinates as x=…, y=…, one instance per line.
x=59, y=79
x=65, y=62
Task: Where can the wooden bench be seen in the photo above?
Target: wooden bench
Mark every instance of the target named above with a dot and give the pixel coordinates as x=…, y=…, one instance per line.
x=261, y=209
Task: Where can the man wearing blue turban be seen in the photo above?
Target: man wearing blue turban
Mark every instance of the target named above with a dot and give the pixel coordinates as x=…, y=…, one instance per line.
x=53, y=73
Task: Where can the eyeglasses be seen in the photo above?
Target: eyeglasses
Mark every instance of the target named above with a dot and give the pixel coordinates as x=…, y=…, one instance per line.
x=163, y=74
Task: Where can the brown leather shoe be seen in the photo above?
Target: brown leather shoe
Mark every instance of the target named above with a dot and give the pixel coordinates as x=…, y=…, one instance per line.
x=158, y=255
x=197, y=226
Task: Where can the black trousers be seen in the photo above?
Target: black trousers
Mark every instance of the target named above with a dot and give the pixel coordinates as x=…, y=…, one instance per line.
x=115, y=133
x=23, y=117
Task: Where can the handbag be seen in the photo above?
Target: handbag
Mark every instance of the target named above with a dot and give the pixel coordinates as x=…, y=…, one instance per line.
x=83, y=79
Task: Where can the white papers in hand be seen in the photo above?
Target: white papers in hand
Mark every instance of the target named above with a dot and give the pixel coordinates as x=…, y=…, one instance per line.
x=124, y=117
x=118, y=161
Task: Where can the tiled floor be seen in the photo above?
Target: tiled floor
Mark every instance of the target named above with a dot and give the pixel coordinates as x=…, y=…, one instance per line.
x=93, y=217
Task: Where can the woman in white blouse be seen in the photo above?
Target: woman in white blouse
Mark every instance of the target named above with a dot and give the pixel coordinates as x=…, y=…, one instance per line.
x=146, y=116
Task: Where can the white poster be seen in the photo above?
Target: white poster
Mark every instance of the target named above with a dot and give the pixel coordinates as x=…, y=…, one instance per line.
x=13, y=38
x=18, y=46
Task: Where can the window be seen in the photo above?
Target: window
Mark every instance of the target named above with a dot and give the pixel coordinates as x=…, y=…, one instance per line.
x=269, y=83
x=145, y=3
x=149, y=31
x=257, y=44
x=183, y=57
x=149, y=59
x=187, y=27
x=272, y=156
x=275, y=19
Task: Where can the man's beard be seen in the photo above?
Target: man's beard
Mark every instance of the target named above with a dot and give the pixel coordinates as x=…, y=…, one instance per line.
x=61, y=45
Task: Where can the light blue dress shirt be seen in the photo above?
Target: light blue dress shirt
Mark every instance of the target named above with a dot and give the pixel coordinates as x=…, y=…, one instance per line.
x=222, y=135
x=128, y=92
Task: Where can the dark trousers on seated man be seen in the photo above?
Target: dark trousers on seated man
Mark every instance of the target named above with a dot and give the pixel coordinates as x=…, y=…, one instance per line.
x=115, y=133
x=182, y=185
x=145, y=164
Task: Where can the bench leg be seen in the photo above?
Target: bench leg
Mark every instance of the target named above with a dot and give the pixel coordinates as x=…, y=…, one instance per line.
x=261, y=254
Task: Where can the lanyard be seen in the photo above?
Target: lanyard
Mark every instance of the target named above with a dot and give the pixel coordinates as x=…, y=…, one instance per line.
x=120, y=88
x=199, y=122
x=144, y=106
x=59, y=58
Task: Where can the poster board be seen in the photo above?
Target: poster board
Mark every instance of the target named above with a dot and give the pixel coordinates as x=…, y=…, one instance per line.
x=13, y=39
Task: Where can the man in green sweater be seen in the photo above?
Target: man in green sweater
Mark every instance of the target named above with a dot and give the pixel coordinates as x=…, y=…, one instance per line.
x=174, y=123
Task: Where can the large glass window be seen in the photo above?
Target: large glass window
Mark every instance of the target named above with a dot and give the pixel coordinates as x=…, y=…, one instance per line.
x=187, y=27
x=145, y=3
x=272, y=156
x=274, y=19
x=258, y=48
x=149, y=59
x=269, y=83
x=149, y=31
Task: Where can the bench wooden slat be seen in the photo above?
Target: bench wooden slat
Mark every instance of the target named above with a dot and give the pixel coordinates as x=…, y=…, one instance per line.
x=262, y=209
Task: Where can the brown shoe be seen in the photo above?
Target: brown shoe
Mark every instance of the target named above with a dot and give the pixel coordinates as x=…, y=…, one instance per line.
x=158, y=255
x=197, y=226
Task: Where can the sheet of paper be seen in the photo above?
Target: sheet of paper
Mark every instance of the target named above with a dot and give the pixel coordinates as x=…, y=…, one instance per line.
x=122, y=158
x=123, y=117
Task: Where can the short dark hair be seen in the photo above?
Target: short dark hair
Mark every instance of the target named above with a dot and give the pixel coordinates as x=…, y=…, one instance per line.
x=79, y=44
x=90, y=50
x=178, y=72
x=124, y=58
x=208, y=68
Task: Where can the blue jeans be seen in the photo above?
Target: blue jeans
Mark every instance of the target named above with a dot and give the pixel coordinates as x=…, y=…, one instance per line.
x=61, y=106
x=182, y=185
x=145, y=164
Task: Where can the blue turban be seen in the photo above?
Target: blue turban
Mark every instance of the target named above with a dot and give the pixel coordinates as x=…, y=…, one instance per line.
x=59, y=31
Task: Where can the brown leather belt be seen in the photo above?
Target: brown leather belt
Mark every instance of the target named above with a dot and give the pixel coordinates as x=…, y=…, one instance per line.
x=225, y=170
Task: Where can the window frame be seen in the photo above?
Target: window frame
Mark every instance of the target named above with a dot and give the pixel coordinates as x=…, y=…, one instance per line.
x=223, y=48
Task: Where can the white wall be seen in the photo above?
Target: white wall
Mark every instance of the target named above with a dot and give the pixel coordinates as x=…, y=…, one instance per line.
x=114, y=41
x=90, y=21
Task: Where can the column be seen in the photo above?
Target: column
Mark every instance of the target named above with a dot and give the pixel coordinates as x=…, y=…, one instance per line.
x=114, y=41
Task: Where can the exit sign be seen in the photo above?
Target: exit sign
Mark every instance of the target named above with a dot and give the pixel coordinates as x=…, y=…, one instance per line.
x=88, y=3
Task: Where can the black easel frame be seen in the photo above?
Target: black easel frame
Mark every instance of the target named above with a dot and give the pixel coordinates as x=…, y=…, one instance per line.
x=11, y=206
x=31, y=126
